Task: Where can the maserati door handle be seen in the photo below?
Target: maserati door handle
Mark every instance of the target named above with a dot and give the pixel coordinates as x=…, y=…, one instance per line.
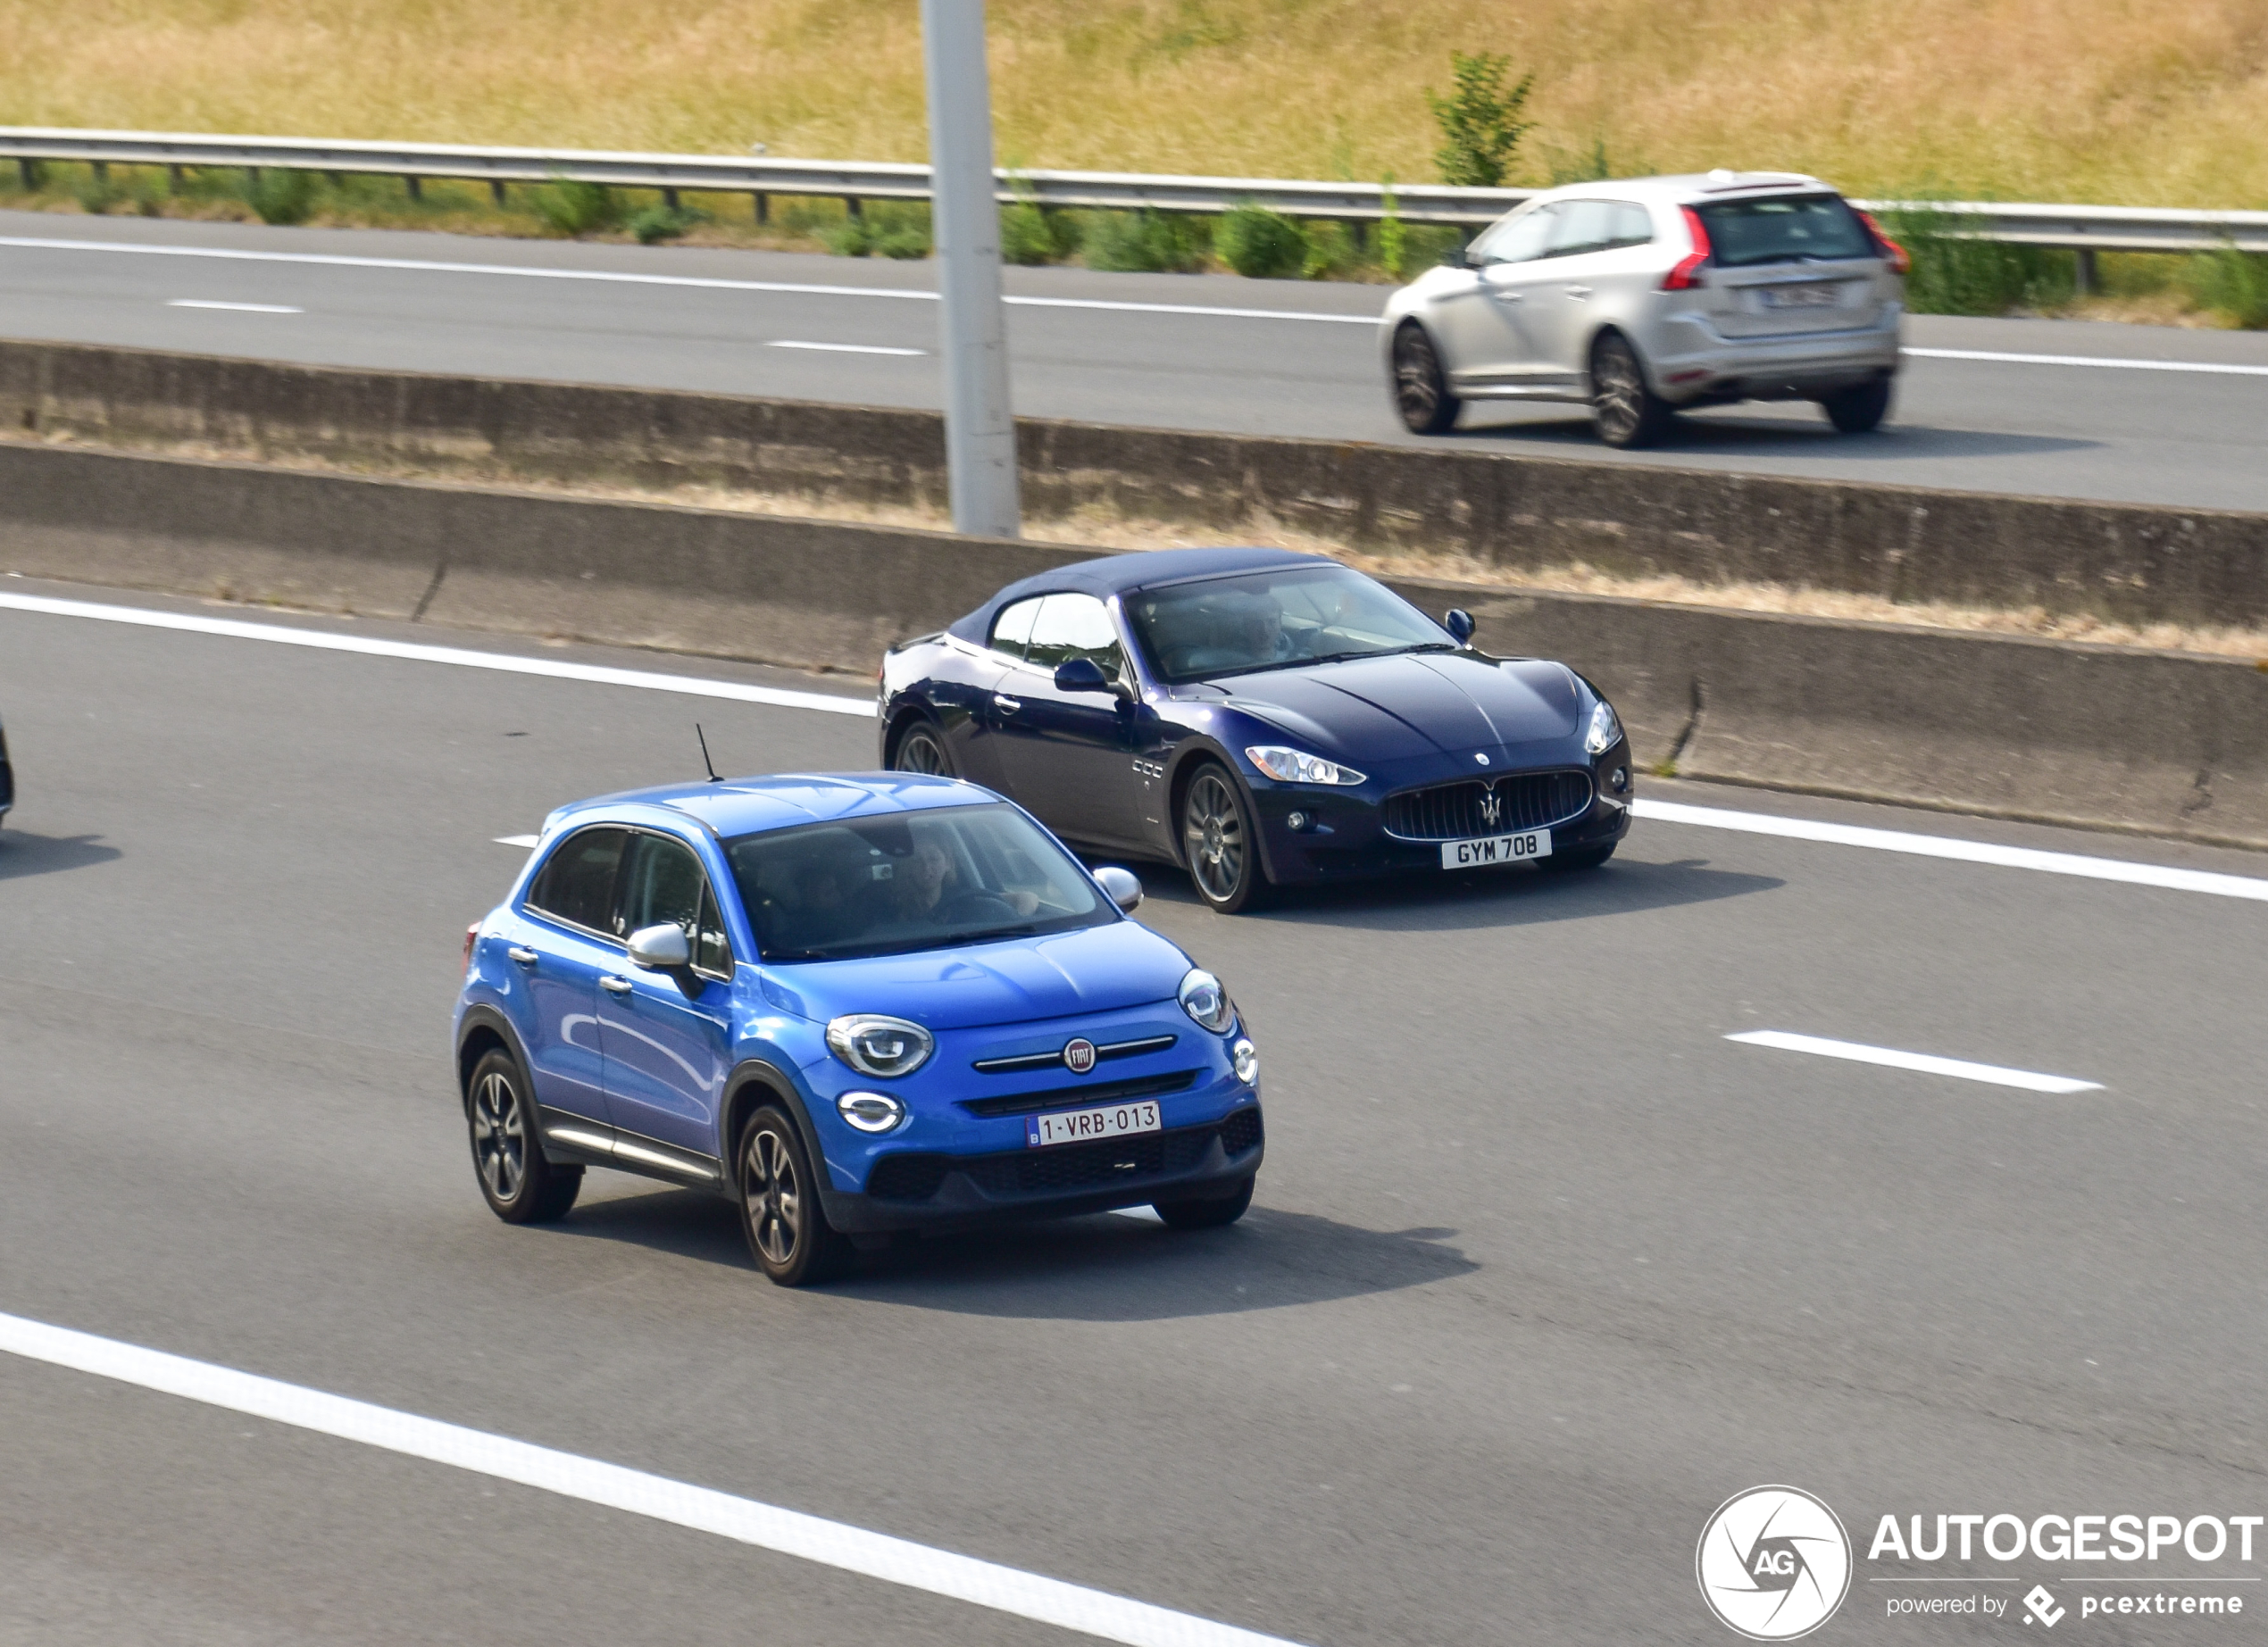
x=525, y=957
x=616, y=985
x=1006, y=704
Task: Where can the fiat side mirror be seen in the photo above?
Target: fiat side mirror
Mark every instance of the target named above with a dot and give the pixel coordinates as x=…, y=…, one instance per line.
x=1459, y=624
x=1125, y=891
x=661, y=949
x=1081, y=675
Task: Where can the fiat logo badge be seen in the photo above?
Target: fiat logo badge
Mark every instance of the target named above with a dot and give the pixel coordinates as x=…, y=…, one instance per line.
x=1079, y=1056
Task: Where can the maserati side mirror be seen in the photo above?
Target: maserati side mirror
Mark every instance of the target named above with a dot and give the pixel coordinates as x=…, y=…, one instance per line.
x=1081, y=675
x=1459, y=623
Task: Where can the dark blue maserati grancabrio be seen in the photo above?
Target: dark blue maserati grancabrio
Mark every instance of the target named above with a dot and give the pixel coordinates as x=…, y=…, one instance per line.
x=1262, y=718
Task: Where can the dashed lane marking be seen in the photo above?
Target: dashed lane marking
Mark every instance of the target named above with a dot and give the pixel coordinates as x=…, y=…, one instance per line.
x=2029, y=1080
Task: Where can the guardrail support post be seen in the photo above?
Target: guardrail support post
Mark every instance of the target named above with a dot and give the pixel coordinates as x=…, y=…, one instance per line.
x=979, y=429
x=764, y=209
x=416, y=185
x=669, y=200
x=2083, y=272
x=853, y=207
x=496, y=190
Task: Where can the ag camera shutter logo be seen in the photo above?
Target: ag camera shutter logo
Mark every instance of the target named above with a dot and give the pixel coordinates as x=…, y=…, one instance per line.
x=1775, y=1563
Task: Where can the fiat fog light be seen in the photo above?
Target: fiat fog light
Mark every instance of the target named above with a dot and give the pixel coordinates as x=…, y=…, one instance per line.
x=879, y=1046
x=1296, y=766
x=1203, y=999
x=870, y=1111
x=1605, y=731
x=1246, y=1061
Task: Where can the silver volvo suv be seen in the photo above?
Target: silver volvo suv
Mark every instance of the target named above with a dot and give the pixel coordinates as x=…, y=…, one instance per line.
x=1647, y=296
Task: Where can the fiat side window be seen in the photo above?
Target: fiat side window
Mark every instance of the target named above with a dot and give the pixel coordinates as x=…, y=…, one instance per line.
x=577, y=885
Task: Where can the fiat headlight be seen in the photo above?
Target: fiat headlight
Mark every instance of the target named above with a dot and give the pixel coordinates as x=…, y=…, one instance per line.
x=879, y=1046
x=1246, y=1061
x=1203, y=999
x=1296, y=766
x=870, y=1111
x=1605, y=731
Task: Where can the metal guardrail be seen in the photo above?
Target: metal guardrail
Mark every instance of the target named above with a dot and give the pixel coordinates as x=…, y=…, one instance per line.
x=2107, y=229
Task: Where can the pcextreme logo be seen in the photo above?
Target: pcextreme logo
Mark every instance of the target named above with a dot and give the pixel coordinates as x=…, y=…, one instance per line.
x=1774, y=1563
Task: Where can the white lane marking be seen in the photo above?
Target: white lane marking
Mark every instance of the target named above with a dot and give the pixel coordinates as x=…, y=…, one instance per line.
x=624, y=278
x=1970, y=851
x=2029, y=1080
x=2115, y=362
x=1148, y=1215
x=518, y=840
x=843, y=348
x=200, y=303
x=552, y=669
x=830, y=1543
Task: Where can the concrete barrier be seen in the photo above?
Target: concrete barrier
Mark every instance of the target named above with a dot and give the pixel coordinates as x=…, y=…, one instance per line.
x=2125, y=563
x=2102, y=736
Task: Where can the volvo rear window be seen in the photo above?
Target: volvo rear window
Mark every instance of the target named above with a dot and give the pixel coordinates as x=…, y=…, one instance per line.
x=1785, y=229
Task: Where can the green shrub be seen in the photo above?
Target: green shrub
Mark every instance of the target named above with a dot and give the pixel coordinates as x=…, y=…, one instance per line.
x=1146, y=243
x=2230, y=283
x=1260, y=245
x=1479, y=121
x=1953, y=275
x=649, y=224
x=283, y=197
x=98, y=192
x=32, y=174
x=909, y=245
x=1030, y=234
x=848, y=236
x=574, y=209
x=1393, y=236
x=1330, y=252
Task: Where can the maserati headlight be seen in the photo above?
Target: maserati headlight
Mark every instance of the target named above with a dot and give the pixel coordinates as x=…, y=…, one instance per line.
x=1203, y=999
x=879, y=1046
x=1296, y=766
x=1605, y=731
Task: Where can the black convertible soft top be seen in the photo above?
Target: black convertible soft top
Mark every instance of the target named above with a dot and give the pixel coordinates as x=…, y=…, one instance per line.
x=1115, y=574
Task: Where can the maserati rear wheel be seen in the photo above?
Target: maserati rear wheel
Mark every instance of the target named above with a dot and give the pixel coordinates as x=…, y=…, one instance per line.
x=1420, y=387
x=1217, y=837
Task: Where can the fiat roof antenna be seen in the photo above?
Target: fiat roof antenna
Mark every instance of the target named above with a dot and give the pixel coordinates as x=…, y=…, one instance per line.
x=704, y=753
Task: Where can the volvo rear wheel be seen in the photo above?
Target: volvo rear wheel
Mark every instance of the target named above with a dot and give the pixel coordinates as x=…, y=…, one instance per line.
x=1420, y=387
x=1625, y=410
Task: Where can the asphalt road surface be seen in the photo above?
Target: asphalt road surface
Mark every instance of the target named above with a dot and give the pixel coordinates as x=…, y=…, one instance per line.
x=1541, y=1268
x=2168, y=416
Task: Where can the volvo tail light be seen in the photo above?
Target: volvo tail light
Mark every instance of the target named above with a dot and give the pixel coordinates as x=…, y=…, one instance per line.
x=1900, y=264
x=1686, y=273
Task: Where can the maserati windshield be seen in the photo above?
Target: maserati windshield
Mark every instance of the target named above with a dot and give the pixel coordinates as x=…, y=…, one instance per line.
x=909, y=881
x=1273, y=619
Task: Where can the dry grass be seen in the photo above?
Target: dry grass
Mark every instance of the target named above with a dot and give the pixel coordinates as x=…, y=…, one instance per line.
x=1102, y=528
x=2146, y=102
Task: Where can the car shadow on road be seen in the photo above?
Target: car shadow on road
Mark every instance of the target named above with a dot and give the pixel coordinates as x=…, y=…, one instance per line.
x=22, y=855
x=1795, y=434
x=1106, y=1267
x=1516, y=896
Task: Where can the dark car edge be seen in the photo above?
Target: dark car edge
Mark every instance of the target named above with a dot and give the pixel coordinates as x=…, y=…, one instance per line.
x=1451, y=745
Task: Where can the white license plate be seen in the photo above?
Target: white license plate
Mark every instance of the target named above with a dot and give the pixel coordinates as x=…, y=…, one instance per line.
x=1496, y=849
x=1113, y=1120
x=1802, y=296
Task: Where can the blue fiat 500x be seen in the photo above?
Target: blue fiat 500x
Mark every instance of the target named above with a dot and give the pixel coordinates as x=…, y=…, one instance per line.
x=853, y=1006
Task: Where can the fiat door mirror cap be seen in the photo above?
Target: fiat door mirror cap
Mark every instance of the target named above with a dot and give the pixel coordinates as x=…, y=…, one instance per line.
x=661, y=949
